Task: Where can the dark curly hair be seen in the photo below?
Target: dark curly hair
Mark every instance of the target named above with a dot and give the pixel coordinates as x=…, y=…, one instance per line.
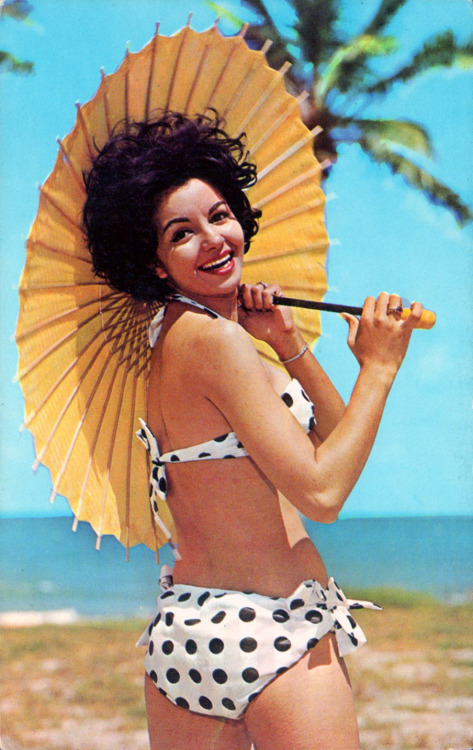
x=130, y=174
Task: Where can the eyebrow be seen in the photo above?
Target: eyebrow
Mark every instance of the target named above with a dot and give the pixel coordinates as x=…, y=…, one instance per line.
x=184, y=219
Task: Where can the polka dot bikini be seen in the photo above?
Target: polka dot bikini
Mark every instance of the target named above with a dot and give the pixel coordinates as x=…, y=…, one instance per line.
x=213, y=651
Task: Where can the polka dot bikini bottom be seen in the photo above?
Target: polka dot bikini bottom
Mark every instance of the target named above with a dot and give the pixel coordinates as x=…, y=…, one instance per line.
x=212, y=651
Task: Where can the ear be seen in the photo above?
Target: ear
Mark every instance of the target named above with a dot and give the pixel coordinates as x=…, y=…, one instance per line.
x=161, y=272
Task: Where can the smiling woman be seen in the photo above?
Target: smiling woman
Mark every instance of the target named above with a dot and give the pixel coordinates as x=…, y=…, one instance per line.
x=250, y=631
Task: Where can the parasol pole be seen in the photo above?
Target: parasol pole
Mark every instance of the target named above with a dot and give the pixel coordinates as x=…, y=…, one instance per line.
x=426, y=321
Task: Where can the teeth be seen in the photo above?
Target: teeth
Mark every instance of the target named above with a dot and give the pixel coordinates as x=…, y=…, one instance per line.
x=217, y=264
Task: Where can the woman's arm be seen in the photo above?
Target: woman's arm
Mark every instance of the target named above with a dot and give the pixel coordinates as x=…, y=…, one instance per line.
x=229, y=372
x=277, y=327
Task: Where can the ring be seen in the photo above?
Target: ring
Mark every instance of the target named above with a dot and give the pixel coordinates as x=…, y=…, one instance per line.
x=265, y=286
x=394, y=310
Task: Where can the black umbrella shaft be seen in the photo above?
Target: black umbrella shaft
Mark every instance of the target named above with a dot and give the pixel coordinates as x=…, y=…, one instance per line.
x=325, y=306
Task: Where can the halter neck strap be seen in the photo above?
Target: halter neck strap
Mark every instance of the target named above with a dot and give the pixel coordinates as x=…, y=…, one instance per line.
x=157, y=323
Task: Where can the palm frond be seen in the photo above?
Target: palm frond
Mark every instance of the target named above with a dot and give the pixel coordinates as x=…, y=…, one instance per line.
x=441, y=50
x=316, y=29
x=349, y=64
x=385, y=13
x=10, y=64
x=435, y=191
x=405, y=133
x=17, y=9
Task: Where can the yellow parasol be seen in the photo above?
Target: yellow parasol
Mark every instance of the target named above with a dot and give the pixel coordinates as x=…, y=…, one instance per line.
x=83, y=349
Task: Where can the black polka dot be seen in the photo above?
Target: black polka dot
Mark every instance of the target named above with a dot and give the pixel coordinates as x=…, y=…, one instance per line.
x=228, y=703
x=219, y=596
x=229, y=455
x=182, y=703
x=337, y=625
x=157, y=619
x=167, y=594
x=250, y=674
x=281, y=670
x=218, y=617
x=150, y=648
x=167, y=647
x=282, y=643
x=247, y=614
x=288, y=400
x=353, y=639
x=204, y=455
x=280, y=615
x=351, y=621
x=184, y=597
x=252, y=697
x=205, y=702
x=162, y=486
x=312, y=423
x=314, y=616
x=203, y=598
x=304, y=395
x=220, y=676
x=195, y=675
x=296, y=603
x=153, y=675
x=311, y=643
x=239, y=445
x=216, y=645
x=339, y=596
x=248, y=645
x=169, y=618
x=221, y=438
x=155, y=472
x=174, y=458
x=193, y=621
x=163, y=692
x=173, y=675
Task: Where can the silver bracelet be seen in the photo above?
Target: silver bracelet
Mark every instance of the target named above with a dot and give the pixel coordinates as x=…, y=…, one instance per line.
x=292, y=359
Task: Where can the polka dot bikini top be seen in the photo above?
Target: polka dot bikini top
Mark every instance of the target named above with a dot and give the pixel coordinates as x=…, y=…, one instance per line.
x=222, y=447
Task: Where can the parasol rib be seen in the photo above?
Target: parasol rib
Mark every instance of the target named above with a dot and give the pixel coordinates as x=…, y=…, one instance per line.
x=176, y=65
x=308, y=207
x=85, y=132
x=106, y=105
x=151, y=70
x=310, y=174
x=320, y=245
x=58, y=251
x=203, y=57
x=44, y=191
x=290, y=152
x=265, y=95
x=259, y=61
x=292, y=105
x=239, y=40
x=73, y=168
x=66, y=405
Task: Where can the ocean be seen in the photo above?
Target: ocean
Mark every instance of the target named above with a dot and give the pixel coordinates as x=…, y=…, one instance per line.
x=45, y=568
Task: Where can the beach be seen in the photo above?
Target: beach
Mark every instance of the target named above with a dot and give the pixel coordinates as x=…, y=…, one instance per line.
x=78, y=685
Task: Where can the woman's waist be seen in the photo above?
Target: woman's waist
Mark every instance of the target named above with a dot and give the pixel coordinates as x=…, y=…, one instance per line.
x=270, y=571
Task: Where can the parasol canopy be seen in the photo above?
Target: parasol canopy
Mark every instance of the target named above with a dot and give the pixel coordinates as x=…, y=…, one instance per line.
x=83, y=346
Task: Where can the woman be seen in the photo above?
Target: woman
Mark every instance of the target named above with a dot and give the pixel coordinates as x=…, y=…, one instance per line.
x=248, y=640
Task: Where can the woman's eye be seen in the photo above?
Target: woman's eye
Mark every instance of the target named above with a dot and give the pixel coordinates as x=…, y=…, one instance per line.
x=179, y=234
x=220, y=215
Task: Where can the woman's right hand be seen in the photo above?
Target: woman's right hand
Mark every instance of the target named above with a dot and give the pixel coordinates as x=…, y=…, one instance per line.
x=379, y=337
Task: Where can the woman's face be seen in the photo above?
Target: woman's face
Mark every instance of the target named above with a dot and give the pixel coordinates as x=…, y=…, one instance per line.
x=200, y=242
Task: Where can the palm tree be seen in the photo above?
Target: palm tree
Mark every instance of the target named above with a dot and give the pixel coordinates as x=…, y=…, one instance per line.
x=19, y=10
x=342, y=84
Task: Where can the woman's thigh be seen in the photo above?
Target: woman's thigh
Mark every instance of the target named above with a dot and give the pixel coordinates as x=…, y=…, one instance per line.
x=309, y=707
x=173, y=728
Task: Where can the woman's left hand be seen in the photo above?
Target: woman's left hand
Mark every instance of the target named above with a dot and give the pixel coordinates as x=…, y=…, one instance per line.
x=264, y=320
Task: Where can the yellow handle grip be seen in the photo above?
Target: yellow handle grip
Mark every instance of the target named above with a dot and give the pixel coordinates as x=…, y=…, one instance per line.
x=427, y=319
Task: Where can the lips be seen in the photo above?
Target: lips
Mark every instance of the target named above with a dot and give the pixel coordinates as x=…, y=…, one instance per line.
x=222, y=264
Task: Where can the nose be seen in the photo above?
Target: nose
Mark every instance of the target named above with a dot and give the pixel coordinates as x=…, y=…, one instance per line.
x=211, y=237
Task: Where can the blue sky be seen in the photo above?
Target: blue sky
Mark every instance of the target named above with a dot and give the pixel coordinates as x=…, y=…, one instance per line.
x=385, y=237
